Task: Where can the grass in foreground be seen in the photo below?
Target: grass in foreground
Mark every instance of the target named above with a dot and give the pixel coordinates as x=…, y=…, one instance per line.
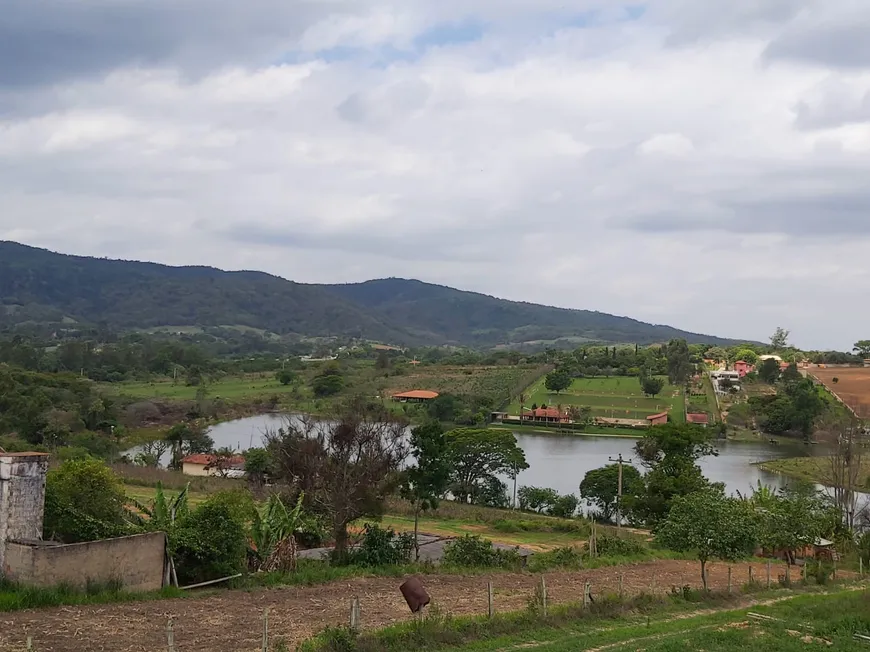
x=689, y=621
x=14, y=597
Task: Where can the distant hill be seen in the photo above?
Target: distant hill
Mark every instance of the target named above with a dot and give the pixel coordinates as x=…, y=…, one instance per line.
x=39, y=285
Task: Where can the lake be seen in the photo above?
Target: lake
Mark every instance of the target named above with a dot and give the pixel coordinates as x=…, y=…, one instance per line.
x=561, y=462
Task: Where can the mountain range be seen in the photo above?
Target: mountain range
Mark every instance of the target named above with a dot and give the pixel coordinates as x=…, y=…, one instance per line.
x=43, y=286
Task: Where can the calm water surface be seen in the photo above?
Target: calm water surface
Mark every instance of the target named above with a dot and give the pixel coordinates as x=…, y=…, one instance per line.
x=561, y=462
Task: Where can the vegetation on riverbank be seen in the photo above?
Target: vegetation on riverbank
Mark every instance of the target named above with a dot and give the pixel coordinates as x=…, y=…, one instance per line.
x=813, y=469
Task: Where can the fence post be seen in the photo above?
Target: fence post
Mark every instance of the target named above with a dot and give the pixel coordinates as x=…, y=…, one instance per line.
x=266, y=630
x=544, y=595
x=768, y=573
x=354, y=614
x=729, y=580
x=170, y=636
x=29, y=644
x=787, y=573
x=751, y=581
x=587, y=594
x=491, y=608
x=835, y=569
x=619, y=580
x=860, y=567
x=654, y=582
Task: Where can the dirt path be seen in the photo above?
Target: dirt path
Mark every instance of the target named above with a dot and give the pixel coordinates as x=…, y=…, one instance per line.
x=231, y=621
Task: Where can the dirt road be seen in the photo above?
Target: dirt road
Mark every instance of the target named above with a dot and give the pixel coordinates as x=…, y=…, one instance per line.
x=231, y=621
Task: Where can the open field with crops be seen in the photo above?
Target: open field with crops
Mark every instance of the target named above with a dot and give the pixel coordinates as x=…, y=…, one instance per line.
x=617, y=397
x=231, y=621
x=852, y=385
x=497, y=383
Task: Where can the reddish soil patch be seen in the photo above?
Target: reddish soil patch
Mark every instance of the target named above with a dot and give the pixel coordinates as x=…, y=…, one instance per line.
x=853, y=386
x=231, y=621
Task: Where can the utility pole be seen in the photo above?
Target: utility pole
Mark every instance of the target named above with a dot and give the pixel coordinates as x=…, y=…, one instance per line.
x=618, y=492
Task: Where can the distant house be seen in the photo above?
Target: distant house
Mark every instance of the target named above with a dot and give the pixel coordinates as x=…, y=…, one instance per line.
x=545, y=415
x=415, y=396
x=742, y=368
x=657, y=419
x=204, y=464
x=700, y=419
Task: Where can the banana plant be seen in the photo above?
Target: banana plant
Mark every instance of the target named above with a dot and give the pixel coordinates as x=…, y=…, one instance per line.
x=274, y=526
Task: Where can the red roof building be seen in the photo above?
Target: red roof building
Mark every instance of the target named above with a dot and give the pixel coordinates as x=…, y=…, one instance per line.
x=657, y=419
x=547, y=415
x=699, y=419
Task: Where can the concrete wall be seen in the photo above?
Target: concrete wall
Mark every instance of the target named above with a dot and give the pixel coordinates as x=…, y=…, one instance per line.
x=135, y=561
x=22, y=494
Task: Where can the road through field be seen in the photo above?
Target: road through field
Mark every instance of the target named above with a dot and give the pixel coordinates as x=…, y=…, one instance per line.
x=231, y=621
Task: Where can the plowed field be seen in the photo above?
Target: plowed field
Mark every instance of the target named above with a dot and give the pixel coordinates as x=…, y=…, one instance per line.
x=852, y=386
x=231, y=621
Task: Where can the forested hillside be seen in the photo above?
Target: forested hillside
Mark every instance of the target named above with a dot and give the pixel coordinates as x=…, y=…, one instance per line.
x=42, y=286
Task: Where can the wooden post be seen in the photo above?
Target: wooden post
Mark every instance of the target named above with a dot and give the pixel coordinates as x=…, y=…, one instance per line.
x=587, y=594
x=768, y=573
x=619, y=580
x=729, y=580
x=835, y=569
x=170, y=636
x=751, y=580
x=544, y=595
x=860, y=567
x=490, y=609
x=29, y=644
x=787, y=573
x=265, y=647
x=354, y=614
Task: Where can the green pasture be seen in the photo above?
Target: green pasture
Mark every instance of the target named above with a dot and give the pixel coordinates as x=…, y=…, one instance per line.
x=617, y=397
x=234, y=387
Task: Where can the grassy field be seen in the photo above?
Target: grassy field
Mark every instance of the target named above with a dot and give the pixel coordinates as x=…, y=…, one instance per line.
x=617, y=397
x=813, y=469
x=800, y=623
x=497, y=383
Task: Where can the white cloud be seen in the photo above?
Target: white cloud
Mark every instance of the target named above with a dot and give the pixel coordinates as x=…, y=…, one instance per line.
x=646, y=163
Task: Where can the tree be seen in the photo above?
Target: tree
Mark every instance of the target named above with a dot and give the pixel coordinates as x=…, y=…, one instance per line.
x=862, y=348
x=716, y=353
x=258, y=463
x=673, y=441
x=769, y=371
x=285, y=377
x=600, y=487
x=327, y=385
x=475, y=455
x=792, y=518
x=426, y=481
x=346, y=465
x=84, y=501
x=185, y=439
x=845, y=436
x=557, y=380
x=210, y=542
x=713, y=526
x=679, y=364
x=565, y=506
x=580, y=415
x=747, y=355
x=652, y=385
x=538, y=499
x=382, y=361
x=779, y=339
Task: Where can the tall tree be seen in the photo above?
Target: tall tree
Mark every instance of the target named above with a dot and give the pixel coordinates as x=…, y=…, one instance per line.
x=652, y=385
x=426, y=481
x=679, y=363
x=862, y=348
x=477, y=455
x=346, y=465
x=711, y=525
x=769, y=371
x=601, y=487
x=779, y=339
x=557, y=380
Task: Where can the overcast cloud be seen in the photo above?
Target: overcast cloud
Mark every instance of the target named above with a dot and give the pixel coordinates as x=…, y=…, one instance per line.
x=700, y=164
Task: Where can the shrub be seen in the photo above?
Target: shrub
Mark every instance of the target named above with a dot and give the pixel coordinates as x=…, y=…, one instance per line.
x=471, y=550
x=610, y=546
x=84, y=501
x=564, y=506
x=210, y=542
x=565, y=557
x=538, y=499
x=381, y=547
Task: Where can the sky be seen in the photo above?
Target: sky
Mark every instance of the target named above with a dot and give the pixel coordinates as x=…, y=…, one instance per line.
x=699, y=164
